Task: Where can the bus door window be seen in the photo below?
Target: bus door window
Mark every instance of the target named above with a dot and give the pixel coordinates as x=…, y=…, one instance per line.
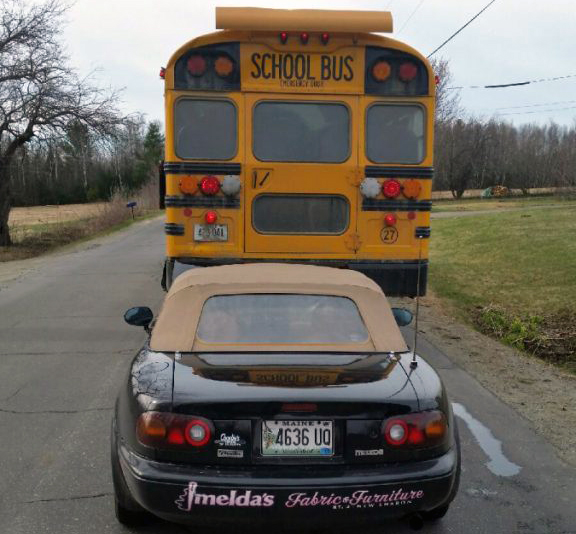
x=301, y=132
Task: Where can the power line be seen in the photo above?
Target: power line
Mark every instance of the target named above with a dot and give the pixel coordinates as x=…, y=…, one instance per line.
x=514, y=84
x=538, y=105
x=533, y=112
x=411, y=15
x=456, y=33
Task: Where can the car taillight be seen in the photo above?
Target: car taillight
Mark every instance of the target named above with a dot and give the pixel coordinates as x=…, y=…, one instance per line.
x=391, y=188
x=168, y=431
x=209, y=185
x=426, y=429
x=197, y=433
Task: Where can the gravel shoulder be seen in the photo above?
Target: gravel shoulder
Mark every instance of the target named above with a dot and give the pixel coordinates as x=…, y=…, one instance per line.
x=539, y=392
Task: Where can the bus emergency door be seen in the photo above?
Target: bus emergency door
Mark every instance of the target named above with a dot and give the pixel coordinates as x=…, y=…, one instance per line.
x=301, y=174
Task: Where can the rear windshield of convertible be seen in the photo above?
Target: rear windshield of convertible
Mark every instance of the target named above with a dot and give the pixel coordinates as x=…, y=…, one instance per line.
x=280, y=318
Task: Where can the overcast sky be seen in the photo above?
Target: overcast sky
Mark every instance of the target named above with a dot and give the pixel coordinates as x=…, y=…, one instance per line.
x=512, y=41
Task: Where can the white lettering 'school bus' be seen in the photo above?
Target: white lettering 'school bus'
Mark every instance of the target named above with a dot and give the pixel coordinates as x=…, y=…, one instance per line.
x=299, y=136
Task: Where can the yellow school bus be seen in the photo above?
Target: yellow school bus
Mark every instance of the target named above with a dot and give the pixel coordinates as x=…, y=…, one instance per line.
x=300, y=136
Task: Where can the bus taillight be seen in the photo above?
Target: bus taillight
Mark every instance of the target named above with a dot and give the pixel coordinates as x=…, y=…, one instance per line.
x=283, y=37
x=325, y=37
x=411, y=189
x=304, y=36
x=231, y=185
x=188, y=185
x=391, y=188
x=209, y=185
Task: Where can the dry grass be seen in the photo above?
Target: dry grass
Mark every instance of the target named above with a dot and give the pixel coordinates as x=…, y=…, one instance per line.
x=40, y=229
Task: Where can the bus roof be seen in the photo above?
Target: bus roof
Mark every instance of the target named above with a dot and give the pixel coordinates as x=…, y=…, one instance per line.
x=262, y=19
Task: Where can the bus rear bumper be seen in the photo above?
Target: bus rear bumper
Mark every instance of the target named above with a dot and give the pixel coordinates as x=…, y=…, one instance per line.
x=396, y=278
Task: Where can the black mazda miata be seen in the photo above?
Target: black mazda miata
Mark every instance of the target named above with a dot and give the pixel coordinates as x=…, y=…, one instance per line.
x=267, y=392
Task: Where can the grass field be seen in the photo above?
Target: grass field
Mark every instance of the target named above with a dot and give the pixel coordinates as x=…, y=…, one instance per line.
x=511, y=273
x=491, y=204
x=39, y=229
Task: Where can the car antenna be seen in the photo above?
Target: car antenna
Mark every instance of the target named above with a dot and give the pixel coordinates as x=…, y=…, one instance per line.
x=414, y=362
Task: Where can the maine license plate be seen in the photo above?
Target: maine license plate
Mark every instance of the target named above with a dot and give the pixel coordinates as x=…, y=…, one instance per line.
x=297, y=438
x=210, y=232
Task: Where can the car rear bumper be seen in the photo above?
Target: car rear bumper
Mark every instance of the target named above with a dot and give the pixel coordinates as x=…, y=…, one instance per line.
x=202, y=495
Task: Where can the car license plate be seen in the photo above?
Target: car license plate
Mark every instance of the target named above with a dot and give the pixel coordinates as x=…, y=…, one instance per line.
x=297, y=438
x=210, y=232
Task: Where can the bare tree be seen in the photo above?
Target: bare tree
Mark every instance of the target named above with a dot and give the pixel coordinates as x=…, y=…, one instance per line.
x=39, y=92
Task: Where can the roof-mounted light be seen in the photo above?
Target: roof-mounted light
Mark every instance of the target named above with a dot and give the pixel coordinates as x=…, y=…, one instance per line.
x=196, y=65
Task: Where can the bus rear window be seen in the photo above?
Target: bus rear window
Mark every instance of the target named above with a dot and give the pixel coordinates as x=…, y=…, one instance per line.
x=205, y=129
x=395, y=134
x=300, y=214
x=281, y=318
x=315, y=132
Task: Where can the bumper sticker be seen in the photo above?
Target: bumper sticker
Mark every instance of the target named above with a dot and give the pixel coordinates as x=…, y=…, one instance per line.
x=244, y=499
x=191, y=498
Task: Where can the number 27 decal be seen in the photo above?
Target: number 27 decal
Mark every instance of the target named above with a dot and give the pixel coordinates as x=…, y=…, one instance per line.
x=389, y=235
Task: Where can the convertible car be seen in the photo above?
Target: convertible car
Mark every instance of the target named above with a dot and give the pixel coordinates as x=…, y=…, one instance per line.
x=267, y=393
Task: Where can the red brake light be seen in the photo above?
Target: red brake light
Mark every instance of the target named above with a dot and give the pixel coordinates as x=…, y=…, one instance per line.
x=196, y=65
x=304, y=36
x=325, y=37
x=209, y=185
x=299, y=407
x=283, y=37
x=390, y=219
x=210, y=217
x=175, y=436
x=162, y=72
x=391, y=188
x=408, y=72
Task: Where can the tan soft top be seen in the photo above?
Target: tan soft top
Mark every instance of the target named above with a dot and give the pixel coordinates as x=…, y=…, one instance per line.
x=175, y=328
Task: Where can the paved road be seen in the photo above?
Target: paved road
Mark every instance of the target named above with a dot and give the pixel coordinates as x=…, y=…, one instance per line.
x=64, y=350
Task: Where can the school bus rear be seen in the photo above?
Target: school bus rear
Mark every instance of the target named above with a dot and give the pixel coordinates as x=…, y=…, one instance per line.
x=290, y=139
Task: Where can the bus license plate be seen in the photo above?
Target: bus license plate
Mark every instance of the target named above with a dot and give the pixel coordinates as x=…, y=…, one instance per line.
x=297, y=438
x=210, y=232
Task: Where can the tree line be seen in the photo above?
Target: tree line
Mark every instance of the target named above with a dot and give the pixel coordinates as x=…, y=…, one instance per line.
x=471, y=153
x=63, y=139
x=80, y=166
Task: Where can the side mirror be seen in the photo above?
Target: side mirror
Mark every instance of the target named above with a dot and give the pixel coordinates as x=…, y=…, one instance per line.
x=403, y=316
x=139, y=316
